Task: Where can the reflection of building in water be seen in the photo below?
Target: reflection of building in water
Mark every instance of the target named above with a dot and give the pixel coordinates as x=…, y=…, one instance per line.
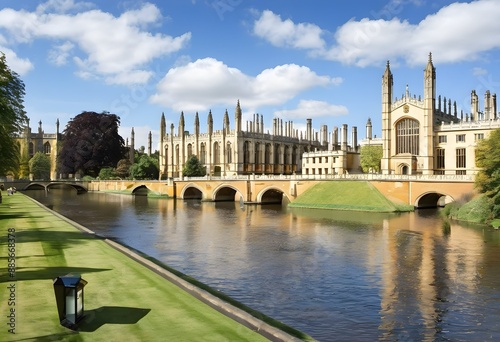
x=47, y=143
x=427, y=135
x=235, y=151
x=422, y=269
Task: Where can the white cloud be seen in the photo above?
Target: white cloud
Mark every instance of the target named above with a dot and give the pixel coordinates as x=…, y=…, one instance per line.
x=479, y=71
x=15, y=63
x=458, y=32
x=207, y=82
x=287, y=34
x=63, y=6
x=59, y=54
x=312, y=109
x=116, y=48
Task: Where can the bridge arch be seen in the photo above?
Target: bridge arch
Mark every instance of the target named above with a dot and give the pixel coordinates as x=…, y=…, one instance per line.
x=272, y=195
x=432, y=199
x=226, y=193
x=47, y=185
x=141, y=190
x=192, y=191
x=35, y=186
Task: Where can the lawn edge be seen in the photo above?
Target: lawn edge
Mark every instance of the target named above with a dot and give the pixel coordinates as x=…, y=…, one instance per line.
x=247, y=317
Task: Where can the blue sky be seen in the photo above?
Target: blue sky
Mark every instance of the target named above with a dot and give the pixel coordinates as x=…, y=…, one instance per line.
x=318, y=59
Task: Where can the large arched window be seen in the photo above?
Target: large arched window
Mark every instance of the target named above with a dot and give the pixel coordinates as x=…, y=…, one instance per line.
x=257, y=158
x=246, y=152
x=216, y=153
x=46, y=148
x=407, y=136
x=229, y=153
x=190, y=150
x=267, y=154
x=203, y=154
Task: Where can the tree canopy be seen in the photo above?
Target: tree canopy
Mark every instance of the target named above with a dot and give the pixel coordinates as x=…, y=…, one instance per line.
x=193, y=168
x=40, y=166
x=370, y=158
x=145, y=168
x=12, y=116
x=91, y=142
x=488, y=178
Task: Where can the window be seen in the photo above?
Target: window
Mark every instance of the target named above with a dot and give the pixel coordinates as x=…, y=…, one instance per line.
x=203, y=154
x=478, y=136
x=246, y=152
x=46, y=148
x=229, y=153
x=407, y=136
x=314, y=160
x=460, y=157
x=190, y=150
x=319, y=160
x=257, y=154
x=326, y=159
x=461, y=172
x=440, y=158
x=216, y=153
x=442, y=138
x=461, y=138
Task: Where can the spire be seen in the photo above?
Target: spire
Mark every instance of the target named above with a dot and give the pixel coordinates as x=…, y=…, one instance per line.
x=369, y=129
x=163, y=126
x=237, y=118
x=150, y=142
x=226, y=122
x=196, y=124
x=181, y=125
x=210, y=123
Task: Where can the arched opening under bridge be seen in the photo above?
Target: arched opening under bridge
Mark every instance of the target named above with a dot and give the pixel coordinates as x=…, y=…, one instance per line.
x=192, y=193
x=141, y=190
x=433, y=200
x=226, y=194
x=272, y=196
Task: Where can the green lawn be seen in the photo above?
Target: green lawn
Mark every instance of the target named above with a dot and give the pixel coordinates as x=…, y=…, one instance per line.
x=345, y=195
x=124, y=301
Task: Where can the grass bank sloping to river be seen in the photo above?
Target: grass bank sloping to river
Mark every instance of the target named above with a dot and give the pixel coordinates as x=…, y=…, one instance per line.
x=345, y=195
x=124, y=300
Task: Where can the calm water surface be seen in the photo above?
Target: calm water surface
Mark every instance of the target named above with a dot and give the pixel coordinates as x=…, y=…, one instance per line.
x=338, y=276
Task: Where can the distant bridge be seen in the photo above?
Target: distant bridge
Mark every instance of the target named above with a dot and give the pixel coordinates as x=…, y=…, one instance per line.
x=80, y=186
x=419, y=191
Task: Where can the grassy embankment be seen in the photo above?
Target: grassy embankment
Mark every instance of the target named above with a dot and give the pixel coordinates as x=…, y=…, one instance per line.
x=124, y=300
x=475, y=210
x=347, y=195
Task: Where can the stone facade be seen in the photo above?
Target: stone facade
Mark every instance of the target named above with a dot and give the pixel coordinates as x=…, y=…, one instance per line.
x=426, y=135
x=48, y=143
x=233, y=151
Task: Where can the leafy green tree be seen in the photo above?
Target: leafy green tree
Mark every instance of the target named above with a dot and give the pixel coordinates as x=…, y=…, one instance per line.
x=107, y=173
x=90, y=143
x=145, y=168
x=488, y=178
x=40, y=166
x=371, y=157
x=12, y=116
x=123, y=168
x=24, y=166
x=193, y=168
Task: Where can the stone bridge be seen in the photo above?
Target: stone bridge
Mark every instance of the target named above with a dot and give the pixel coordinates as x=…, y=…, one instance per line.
x=419, y=191
x=80, y=186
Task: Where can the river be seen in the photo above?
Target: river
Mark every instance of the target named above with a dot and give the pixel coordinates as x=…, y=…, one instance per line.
x=336, y=275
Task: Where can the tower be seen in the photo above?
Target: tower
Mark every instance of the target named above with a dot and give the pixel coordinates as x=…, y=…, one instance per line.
x=132, y=147
x=427, y=134
x=387, y=84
